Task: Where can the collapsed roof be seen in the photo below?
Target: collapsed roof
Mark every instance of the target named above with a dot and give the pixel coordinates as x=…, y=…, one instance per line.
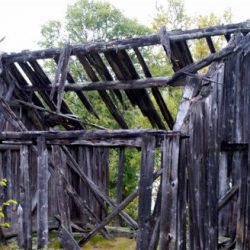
x=111, y=71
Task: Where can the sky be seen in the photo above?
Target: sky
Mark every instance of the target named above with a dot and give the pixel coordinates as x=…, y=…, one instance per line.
x=21, y=20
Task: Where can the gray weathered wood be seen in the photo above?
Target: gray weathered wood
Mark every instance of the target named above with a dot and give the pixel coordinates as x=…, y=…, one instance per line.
x=25, y=237
x=168, y=227
x=130, y=42
x=42, y=189
x=145, y=192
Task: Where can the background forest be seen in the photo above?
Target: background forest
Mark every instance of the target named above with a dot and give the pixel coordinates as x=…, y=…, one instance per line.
x=87, y=21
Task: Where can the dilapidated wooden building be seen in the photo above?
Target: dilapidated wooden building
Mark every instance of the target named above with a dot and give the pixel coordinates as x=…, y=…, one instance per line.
x=58, y=169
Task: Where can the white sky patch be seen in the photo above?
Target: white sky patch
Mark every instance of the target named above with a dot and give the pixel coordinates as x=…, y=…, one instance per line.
x=21, y=20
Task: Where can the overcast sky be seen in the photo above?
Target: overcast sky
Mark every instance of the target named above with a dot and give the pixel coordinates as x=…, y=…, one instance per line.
x=20, y=20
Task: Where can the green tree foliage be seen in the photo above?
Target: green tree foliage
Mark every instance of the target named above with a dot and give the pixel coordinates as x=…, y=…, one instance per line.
x=172, y=15
x=200, y=48
x=89, y=20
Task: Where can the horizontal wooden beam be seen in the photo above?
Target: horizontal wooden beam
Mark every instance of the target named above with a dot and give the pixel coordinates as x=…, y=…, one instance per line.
x=135, y=143
x=128, y=43
x=150, y=81
x=86, y=134
x=107, y=85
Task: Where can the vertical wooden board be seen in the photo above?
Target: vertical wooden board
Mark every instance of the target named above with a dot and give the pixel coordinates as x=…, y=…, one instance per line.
x=242, y=163
x=25, y=226
x=181, y=196
x=169, y=202
x=239, y=100
x=247, y=226
x=224, y=186
x=42, y=189
x=230, y=89
x=194, y=175
x=145, y=192
x=247, y=108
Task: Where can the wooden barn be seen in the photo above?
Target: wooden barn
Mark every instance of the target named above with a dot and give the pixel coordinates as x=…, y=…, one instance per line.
x=57, y=165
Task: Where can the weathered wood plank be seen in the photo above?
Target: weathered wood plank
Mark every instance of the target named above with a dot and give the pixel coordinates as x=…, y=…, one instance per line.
x=61, y=76
x=129, y=43
x=86, y=134
x=210, y=44
x=170, y=183
x=25, y=238
x=67, y=239
x=242, y=160
x=42, y=189
x=165, y=41
x=145, y=192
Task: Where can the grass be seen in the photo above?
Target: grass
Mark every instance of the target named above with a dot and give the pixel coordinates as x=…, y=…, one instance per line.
x=96, y=243
x=118, y=243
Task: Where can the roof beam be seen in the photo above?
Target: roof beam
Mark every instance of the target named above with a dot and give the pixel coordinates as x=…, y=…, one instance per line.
x=129, y=43
x=153, y=81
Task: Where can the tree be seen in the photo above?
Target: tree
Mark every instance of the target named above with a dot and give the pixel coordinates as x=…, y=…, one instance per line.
x=173, y=15
x=88, y=20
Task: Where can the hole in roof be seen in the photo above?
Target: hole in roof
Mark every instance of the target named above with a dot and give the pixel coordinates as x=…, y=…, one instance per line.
x=199, y=49
x=219, y=42
x=76, y=70
x=26, y=78
x=49, y=68
x=109, y=68
x=136, y=63
x=156, y=59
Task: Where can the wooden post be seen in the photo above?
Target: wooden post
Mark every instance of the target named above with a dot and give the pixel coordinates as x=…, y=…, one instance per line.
x=169, y=208
x=119, y=181
x=42, y=188
x=145, y=192
x=24, y=209
x=242, y=199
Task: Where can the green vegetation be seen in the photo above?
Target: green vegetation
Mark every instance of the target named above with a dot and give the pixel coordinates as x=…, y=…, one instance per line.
x=97, y=242
x=3, y=223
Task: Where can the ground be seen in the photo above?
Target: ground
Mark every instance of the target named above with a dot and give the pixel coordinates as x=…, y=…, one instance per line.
x=96, y=243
